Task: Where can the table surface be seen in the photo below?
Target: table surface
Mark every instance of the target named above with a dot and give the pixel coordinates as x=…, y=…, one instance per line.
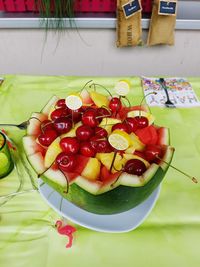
x=170, y=236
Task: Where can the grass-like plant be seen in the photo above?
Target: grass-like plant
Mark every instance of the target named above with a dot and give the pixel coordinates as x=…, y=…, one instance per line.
x=54, y=12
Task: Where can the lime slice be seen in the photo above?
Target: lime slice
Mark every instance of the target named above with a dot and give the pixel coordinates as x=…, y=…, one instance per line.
x=122, y=88
x=120, y=140
x=3, y=162
x=73, y=102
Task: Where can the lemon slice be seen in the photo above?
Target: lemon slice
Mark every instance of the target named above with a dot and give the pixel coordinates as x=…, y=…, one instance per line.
x=73, y=102
x=122, y=88
x=120, y=140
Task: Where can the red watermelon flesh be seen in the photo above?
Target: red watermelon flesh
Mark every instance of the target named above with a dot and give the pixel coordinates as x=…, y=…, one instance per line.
x=139, y=154
x=82, y=162
x=148, y=135
x=106, y=177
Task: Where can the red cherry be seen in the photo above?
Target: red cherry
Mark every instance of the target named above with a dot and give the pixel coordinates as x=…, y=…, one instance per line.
x=61, y=103
x=132, y=123
x=89, y=118
x=142, y=122
x=69, y=145
x=100, y=132
x=47, y=125
x=94, y=142
x=103, y=113
x=152, y=152
x=87, y=150
x=84, y=132
x=115, y=104
x=59, y=112
x=135, y=166
x=47, y=137
x=103, y=146
x=66, y=162
x=76, y=114
x=121, y=126
x=63, y=125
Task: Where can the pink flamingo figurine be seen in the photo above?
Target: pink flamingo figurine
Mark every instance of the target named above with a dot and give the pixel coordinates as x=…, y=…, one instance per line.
x=67, y=230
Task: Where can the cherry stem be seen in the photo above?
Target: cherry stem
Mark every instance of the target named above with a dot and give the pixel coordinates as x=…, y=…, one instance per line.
x=40, y=174
x=118, y=107
x=103, y=116
x=129, y=104
x=35, y=119
x=85, y=85
x=151, y=93
x=108, y=124
x=114, y=157
x=107, y=109
x=194, y=180
x=102, y=87
x=41, y=127
x=66, y=180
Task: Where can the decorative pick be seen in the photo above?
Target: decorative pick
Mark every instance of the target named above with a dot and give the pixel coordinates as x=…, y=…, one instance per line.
x=193, y=179
x=73, y=102
x=120, y=141
x=122, y=88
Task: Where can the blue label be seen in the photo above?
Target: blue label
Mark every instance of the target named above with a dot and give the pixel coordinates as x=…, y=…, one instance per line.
x=131, y=8
x=167, y=8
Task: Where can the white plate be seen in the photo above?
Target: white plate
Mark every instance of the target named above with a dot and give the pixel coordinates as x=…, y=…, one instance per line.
x=117, y=223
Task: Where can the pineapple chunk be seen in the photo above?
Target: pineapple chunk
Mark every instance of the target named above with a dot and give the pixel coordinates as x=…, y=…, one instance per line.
x=52, y=152
x=136, y=143
x=107, y=124
x=72, y=132
x=99, y=99
x=107, y=158
x=92, y=169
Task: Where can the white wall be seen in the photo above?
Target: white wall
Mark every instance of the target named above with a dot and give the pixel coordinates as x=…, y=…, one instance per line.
x=93, y=52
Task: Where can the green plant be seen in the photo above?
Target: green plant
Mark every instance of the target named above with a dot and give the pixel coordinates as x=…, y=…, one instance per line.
x=54, y=12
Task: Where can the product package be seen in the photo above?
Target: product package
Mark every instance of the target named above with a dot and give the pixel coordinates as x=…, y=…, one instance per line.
x=162, y=24
x=129, y=28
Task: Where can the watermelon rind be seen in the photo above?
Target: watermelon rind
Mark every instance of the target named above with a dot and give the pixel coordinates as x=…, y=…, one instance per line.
x=55, y=179
x=47, y=108
x=35, y=120
x=163, y=136
x=167, y=158
x=121, y=198
x=37, y=162
x=118, y=200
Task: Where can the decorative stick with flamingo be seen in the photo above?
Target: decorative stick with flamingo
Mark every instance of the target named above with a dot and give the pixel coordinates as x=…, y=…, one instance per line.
x=67, y=230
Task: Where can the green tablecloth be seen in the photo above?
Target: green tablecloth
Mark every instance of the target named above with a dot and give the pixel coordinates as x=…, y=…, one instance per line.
x=169, y=237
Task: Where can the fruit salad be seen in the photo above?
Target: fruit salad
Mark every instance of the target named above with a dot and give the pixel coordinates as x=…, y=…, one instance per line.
x=102, y=155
